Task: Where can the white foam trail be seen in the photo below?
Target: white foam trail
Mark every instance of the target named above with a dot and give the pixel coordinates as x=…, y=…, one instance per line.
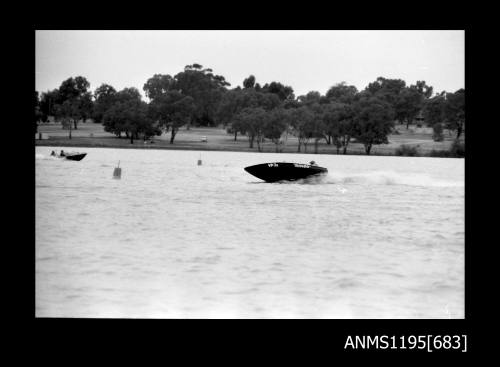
x=390, y=178
x=375, y=178
x=40, y=156
x=311, y=180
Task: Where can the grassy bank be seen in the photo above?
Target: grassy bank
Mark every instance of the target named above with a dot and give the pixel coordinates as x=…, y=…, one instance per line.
x=92, y=135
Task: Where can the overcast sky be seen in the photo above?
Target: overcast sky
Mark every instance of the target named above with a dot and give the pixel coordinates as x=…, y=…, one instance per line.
x=305, y=60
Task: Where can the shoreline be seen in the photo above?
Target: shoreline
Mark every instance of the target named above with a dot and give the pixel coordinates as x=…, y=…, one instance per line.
x=91, y=135
x=196, y=147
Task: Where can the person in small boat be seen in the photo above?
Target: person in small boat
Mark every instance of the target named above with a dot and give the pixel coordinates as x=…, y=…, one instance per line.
x=53, y=153
x=62, y=153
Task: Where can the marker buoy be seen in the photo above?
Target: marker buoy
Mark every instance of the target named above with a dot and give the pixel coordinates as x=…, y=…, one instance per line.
x=117, y=173
x=199, y=161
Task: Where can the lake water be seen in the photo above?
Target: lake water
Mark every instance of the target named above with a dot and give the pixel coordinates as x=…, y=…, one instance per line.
x=378, y=237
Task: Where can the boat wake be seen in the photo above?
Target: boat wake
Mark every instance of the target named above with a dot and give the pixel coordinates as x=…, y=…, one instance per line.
x=39, y=156
x=372, y=178
x=320, y=179
x=390, y=178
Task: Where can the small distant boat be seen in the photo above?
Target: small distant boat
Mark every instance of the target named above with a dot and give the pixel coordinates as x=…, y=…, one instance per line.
x=284, y=171
x=72, y=156
x=75, y=156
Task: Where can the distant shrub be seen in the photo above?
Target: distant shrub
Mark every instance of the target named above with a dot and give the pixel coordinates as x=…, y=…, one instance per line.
x=457, y=149
x=407, y=150
x=439, y=153
x=437, y=132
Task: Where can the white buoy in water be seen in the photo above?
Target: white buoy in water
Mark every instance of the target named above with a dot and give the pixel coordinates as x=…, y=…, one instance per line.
x=117, y=173
x=199, y=161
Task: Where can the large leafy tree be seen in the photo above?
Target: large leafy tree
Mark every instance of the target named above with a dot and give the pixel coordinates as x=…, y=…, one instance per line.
x=433, y=109
x=104, y=97
x=171, y=103
x=131, y=118
x=446, y=109
x=315, y=127
x=173, y=110
x=252, y=121
x=230, y=104
x=268, y=101
x=158, y=85
x=373, y=121
x=330, y=119
x=300, y=119
x=239, y=126
x=276, y=125
x=311, y=98
x=424, y=89
x=258, y=118
x=73, y=87
x=48, y=102
x=67, y=112
x=454, y=111
x=130, y=115
x=249, y=82
x=75, y=92
x=205, y=88
x=388, y=90
x=85, y=106
x=284, y=92
x=235, y=100
x=342, y=93
x=411, y=101
x=289, y=104
x=338, y=119
x=408, y=104
x=346, y=126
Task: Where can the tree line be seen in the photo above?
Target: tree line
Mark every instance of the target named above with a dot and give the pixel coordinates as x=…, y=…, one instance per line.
x=197, y=96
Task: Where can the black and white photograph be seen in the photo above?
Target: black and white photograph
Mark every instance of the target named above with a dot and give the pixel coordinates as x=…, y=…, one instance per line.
x=249, y=174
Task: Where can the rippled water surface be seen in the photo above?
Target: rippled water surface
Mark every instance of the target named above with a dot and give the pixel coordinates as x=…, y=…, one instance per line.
x=379, y=237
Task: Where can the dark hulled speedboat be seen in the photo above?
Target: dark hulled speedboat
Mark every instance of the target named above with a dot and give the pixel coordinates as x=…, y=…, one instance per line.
x=75, y=156
x=72, y=156
x=279, y=171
